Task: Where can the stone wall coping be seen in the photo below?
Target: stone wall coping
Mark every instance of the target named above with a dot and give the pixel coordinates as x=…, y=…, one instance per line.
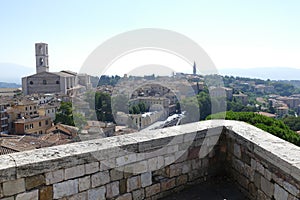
x=275, y=150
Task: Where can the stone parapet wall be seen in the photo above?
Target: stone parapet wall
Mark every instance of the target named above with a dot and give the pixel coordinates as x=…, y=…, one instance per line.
x=154, y=164
x=264, y=166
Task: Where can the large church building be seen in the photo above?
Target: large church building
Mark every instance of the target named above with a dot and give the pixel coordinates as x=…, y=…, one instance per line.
x=64, y=82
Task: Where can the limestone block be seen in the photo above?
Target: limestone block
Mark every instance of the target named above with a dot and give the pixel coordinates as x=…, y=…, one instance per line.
x=237, y=150
x=267, y=187
x=152, y=190
x=97, y=193
x=13, y=187
x=126, y=196
x=65, y=188
x=146, y=179
x=138, y=194
x=112, y=189
x=116, y=174
x=133, y=183
x=91, y=168
x=291, y=188
x=84, y=183
x=74, y=172
x=100, y=178
x=34, y=181
x=280, y=193
x=54, y=177
x=33, y=195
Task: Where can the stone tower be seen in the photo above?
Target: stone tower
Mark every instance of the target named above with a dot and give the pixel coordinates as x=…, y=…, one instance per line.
x=194, y=69
x=41, y=56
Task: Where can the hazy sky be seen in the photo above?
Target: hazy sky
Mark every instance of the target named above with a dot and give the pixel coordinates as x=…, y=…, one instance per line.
x=235, y=34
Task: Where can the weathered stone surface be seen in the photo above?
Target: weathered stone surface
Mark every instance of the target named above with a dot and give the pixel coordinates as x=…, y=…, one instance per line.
x=65, y=188
x=32, y=195
x=112, y=189
x=116, y=174
x=79, y=196
x=138, y=194
x=267, y=187
x=84, y=183
x=74, y=172
x=97, y=193
x=146, y=179
x=34, y=181
x=123, y=186
x=100, y=178
x=133, y=183
x=13, y=187
x=54, y=177
x=91, y=168
x=152, y=190
x=126, y=196
x=167, y=184
x=280, y=193
x=181, y=180
x=291, y=188
x=237, y=151
x=46, y=193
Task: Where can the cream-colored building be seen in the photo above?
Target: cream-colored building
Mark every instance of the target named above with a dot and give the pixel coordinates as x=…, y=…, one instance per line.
x=65, y=82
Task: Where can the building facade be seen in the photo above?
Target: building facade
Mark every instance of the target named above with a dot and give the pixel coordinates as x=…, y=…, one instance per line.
x=43, y=81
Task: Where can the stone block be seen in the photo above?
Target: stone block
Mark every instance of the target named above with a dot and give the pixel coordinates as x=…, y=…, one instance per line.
x=46, y=193
x=116, y=174
x=97, y=193
x=13, y=187
x=291, y=188
x=54, y=177
x=32, y=195
x=84, y=183
x=237, y=150
x=127, y=159
x=152, y=190
x=126, y=196
x=100, y=178
x=123, y=186
x=133, y=183
x=79, y=196
x=167, y=184
x=146, y=179
x=91, y=168
x=267, y=187
x=34, y=181
x=74, y=172
x=112, y=189
x=181, y=180
x=280, y=193
x=65, y=188
x=138, y=194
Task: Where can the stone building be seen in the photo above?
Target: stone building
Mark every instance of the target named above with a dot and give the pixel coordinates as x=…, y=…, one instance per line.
x=65, y=82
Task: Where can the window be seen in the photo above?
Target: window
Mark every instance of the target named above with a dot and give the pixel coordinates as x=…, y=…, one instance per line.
x=47, y=122
x=41, y=61
x=57, y=82
x=40, y=123
x=31, y=83
x=44, y=82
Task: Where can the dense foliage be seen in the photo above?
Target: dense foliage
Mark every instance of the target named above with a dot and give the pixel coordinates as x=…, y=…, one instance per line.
x=273, y=126
x=67, y=116
x=292, y=122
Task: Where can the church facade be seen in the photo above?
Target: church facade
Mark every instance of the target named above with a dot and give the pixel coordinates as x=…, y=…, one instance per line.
x=64, y=82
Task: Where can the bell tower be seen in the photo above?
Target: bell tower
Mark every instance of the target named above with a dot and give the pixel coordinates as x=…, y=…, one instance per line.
x=41, y=57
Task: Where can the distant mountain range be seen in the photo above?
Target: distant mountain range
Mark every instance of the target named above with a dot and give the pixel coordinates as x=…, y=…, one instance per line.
x=272, y=73
x=9, y=85
x=13, y=73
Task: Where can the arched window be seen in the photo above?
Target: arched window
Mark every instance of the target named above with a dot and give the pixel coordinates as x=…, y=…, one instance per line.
x=41, y=61
x=31, y=83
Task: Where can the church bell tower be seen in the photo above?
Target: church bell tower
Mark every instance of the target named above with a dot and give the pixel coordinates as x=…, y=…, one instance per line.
x=41, y=56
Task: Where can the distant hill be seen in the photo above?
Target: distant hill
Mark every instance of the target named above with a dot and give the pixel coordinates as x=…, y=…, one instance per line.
x=13, y=73
x=272, y=73
x=9, y=85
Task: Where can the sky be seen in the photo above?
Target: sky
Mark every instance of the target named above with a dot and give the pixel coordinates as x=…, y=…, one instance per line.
x=235, y=34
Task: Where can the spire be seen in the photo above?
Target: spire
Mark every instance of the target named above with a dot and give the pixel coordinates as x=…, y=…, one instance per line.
x=194, y=68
